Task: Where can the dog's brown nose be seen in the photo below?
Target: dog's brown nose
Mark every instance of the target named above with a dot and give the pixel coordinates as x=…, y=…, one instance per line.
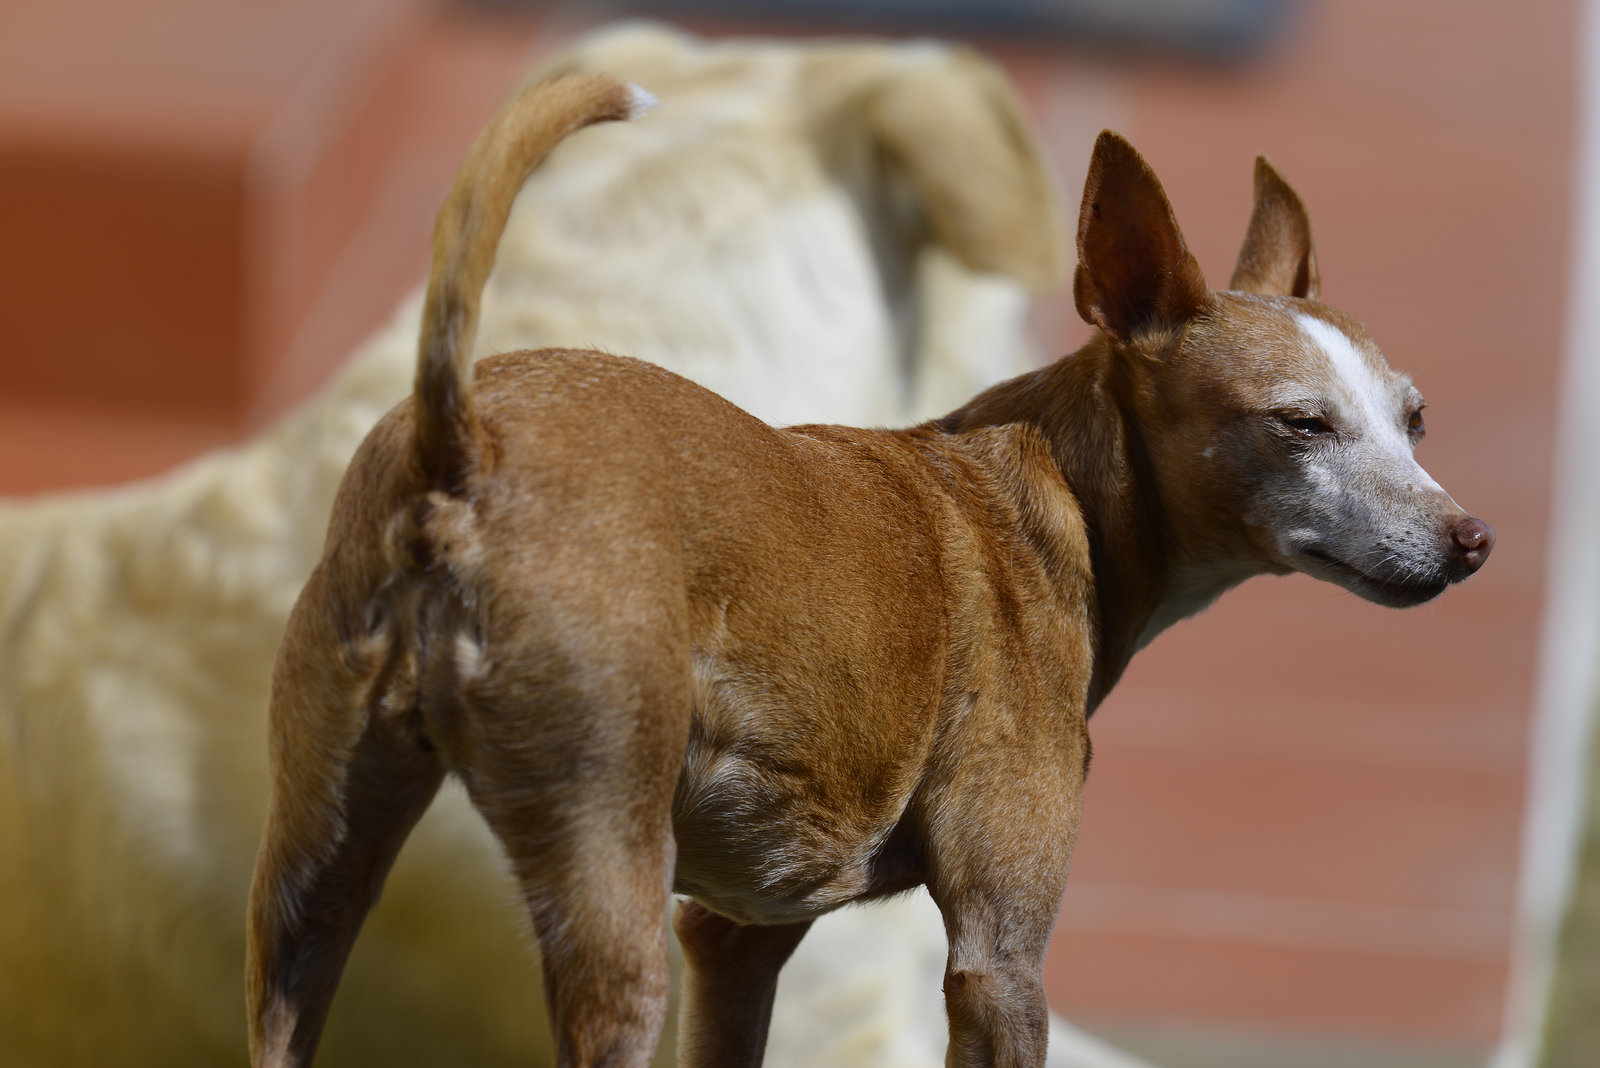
x=1476, y=540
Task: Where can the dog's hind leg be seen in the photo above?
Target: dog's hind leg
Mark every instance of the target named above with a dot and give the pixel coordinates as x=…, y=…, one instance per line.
x=730, y=977
x=348, y=787
x=573, y=762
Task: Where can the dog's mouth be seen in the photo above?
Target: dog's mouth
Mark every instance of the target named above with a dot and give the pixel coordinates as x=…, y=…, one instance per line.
x=1388, y=591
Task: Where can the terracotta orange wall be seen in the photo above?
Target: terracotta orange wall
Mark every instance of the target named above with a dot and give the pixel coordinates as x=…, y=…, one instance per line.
x=177, y=179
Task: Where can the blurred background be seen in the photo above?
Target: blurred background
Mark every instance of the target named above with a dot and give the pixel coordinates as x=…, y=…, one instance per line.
x=1312, y=836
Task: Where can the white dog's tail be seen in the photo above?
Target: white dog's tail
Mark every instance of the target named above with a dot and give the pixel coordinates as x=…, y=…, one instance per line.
x=529, y=125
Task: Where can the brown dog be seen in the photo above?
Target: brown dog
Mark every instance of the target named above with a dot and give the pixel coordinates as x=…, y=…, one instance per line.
x=668, y=647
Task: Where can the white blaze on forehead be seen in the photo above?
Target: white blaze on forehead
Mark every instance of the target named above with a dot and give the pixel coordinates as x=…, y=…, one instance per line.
x=1370, y=397
x=1370, y=394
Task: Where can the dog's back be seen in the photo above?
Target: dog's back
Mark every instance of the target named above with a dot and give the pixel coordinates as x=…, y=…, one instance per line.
x=628, y=523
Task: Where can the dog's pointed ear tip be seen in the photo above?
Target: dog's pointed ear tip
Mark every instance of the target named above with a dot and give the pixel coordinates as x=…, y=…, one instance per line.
x=1268, y=174
x=1111, y=144
x=1116, y=163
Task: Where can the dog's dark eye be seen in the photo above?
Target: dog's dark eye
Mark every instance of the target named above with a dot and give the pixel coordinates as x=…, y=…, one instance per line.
x=1414, y=423
x=1309, y=425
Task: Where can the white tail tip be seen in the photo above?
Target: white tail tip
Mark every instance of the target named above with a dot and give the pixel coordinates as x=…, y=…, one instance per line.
x=640, y=100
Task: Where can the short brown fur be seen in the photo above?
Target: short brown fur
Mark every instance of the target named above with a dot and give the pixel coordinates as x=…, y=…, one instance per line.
x=669, y=647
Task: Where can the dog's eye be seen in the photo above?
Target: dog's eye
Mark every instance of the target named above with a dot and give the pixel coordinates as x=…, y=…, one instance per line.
x=1414, y=423
x=1309, y=425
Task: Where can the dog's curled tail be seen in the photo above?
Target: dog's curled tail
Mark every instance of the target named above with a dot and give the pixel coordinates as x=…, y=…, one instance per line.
x=528, y=126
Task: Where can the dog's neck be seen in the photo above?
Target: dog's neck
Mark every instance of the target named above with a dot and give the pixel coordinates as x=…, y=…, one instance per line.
x=1083, y=409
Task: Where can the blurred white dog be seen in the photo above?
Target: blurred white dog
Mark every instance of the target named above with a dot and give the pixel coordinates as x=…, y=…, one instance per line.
x=836, y=232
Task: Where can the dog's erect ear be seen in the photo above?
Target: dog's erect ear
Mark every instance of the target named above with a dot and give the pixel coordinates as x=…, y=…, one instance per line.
x=1277, y=256
x=948, y=119
x=1134, y=270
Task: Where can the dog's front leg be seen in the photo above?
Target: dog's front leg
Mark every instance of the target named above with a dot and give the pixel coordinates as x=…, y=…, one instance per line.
x=1000, y=864
x=730, y=976
x=994, y=994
